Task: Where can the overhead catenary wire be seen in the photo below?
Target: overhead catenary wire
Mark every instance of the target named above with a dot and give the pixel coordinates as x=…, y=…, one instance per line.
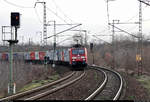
x=125, y=31
x=62, y=11
x=102, y=40
x=20, y=6
x=131, y=29
x=63, y=31
x=68, y=38
x=126, y=20
x=57, y=15
x=13, y=4
x=134, y=15
x=37, y=15
x=145, y=2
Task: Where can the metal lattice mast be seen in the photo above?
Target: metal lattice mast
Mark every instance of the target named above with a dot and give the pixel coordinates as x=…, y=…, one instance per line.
x=139, y=49
x=113, y=45
x=44, y=22
x=44, y=25
x=113, y=41
x=85, y=38
x=54, y=50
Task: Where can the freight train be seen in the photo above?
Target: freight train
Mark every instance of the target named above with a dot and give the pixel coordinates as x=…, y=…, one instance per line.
x=75, y=56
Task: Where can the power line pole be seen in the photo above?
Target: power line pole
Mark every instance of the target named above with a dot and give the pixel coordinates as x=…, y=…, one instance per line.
x=139, y=58
x=44, y=22
x=85, y=38
x=113, y=50
x=113, y=43
x=121, y=30
x=108, y=16
x=54, y=43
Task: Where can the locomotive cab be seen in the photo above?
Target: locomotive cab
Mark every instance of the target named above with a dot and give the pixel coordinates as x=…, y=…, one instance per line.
x=78, y=57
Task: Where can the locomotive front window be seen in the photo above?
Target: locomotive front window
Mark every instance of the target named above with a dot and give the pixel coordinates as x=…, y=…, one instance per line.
x=74, y=52
x=77, y=51
x=81, y=52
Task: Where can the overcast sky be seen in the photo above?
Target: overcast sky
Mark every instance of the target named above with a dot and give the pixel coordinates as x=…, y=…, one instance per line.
x=92, y=14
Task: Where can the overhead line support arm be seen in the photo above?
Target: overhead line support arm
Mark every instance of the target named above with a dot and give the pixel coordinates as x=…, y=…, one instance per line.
x=144, y=2
x=124, y=31
x=64, y=31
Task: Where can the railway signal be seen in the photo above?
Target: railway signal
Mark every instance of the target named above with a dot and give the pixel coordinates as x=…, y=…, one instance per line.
x=91, y=47
x=15, y=24
x=15, y=19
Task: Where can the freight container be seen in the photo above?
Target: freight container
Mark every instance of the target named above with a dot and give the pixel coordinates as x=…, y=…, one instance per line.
x=36, y=56
x=26, y=56
x=42, y=55
x=32, y=55
x=5, y=56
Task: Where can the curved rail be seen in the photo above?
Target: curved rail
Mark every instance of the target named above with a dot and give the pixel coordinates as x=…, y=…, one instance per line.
x=120, y=78
x=100, y=88
x=55, y=89
x=21, y=94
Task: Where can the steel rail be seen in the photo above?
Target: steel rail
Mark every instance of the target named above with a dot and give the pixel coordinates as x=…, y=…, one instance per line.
x=55, y=89
x=99, y=89
x=117, y=96
x=21, y=94
x=120, y=88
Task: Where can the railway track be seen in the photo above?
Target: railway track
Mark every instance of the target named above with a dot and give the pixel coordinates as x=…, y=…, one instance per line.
x=111, y=87
x=42, y=91
x=80, y=89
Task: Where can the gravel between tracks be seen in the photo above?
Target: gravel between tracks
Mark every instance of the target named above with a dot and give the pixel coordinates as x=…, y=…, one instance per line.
x=80, y=89
x=111, y=88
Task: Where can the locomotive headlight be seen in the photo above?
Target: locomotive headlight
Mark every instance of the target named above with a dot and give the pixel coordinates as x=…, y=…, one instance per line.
x=83, y=57
x=74, y=57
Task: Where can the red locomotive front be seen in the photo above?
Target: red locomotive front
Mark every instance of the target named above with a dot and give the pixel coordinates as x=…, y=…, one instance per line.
x=78, y=56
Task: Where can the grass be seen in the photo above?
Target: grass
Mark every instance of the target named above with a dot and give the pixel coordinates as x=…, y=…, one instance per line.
x=55, y=77
x=30, y=86
x=37, y=83
x=145, y=80
x=131, y=97
x=1, y=96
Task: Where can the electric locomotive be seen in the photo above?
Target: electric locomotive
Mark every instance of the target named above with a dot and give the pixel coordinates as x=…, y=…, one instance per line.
x=78, y=57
